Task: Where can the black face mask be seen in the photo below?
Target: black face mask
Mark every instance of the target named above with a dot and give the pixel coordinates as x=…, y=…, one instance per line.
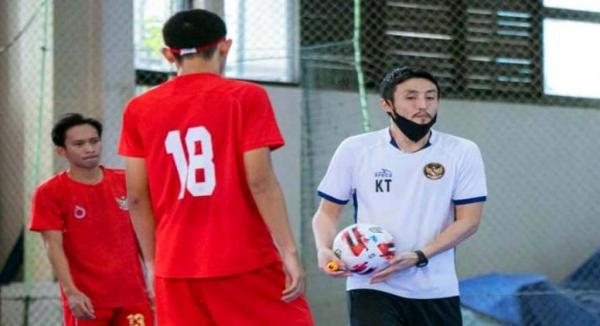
x=412, y=130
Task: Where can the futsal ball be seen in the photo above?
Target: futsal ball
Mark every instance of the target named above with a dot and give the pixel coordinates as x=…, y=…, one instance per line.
x=364, y=248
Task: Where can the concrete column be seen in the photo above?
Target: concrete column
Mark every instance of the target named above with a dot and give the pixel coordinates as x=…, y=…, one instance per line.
x=93, y=42
x=22, y=104
x=118, y=85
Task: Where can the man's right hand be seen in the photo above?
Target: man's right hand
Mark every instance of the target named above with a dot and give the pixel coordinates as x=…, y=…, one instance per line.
x=80, y=305
x=325, y=256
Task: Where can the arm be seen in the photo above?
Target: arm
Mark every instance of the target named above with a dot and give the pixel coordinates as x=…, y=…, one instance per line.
x=325, y=225
x=79, y=303
x=140, y=210
x=467, y=220
x=269, y=199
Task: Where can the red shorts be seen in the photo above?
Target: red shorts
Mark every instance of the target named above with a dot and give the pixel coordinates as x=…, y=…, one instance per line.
x=140, y=315
x=252, y=298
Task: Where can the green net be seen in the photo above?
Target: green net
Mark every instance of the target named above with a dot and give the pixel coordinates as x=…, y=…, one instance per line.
x=519, y=78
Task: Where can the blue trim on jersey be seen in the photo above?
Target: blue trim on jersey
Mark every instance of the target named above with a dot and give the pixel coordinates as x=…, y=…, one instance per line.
x=355, y=207
x=331, y=199
x=469, y=200
x=393, y=142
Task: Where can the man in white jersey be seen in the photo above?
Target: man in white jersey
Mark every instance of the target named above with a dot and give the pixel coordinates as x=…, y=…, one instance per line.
x=425, y=187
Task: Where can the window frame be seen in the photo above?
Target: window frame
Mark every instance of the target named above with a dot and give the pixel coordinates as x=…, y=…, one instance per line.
x=575, y=16
x=148, y=77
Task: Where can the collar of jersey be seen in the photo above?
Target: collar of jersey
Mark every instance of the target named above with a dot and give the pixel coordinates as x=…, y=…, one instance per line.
x=429, y=141
x=197, y=74
x=66, y=176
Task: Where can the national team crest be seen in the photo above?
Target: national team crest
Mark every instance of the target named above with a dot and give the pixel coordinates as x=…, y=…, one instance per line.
x=122, y=202
x=79, y=212
x=434, y=171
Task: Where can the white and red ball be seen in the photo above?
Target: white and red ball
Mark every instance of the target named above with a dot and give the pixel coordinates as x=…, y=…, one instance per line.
x=364, y=248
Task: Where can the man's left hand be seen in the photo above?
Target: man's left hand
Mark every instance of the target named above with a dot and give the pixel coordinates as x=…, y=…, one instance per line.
x=398, y=263
x=294, y=280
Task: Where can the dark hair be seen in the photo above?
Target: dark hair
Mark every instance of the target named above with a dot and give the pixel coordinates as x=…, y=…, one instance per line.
x=388, y=84
x=193, y=29
x=68, y=121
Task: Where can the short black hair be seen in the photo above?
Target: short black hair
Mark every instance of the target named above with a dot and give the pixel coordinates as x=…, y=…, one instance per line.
x=68, y=121
x=388, y=84
x=192, y=29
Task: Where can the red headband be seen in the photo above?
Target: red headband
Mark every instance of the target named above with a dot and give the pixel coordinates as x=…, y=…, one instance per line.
x=185, y=51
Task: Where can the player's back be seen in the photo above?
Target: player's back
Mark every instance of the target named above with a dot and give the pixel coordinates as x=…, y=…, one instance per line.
x=193, y=132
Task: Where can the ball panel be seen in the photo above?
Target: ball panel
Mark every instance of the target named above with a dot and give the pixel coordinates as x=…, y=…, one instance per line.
x=364, y=248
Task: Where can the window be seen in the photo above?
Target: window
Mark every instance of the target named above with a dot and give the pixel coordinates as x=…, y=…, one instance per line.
x=570, y=57
x=585, y=5
x=149, y=18
x=264, y=40
x=571, y=63
x=263, y=32
x=512, y=50
x=476, y=49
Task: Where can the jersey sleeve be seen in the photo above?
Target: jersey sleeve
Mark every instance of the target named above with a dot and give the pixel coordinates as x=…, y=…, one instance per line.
x=471, y=184
x=46, y=212
x=259, y=123
x=336, y=185
x=131, y=143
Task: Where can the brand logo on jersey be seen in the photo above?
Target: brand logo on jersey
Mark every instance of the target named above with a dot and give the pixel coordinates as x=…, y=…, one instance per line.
x=384, y=173
x=434, y=171
x=79, y=212
x=122, y=202
x=383, y=180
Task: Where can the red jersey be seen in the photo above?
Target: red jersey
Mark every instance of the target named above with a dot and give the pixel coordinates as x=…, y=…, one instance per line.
x=192, y=132
x=98, y=237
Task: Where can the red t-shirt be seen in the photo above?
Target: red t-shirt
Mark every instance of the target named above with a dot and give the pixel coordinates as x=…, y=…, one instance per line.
x=192, y=132
x=98, y=237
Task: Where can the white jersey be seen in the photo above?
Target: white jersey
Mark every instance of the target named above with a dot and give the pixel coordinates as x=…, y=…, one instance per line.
x=411, y=195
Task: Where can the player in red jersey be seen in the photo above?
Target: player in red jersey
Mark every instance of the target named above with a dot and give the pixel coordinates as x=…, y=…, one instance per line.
x=83, y=218
x=205, y=203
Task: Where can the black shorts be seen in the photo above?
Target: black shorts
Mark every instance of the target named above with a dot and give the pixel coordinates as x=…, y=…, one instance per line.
x=371, y=307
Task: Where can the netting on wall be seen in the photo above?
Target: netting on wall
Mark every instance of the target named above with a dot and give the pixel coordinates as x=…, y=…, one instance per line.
x=482, y=50
x=24, y=65
x=55, y=57
x=58, y=56
x=535, y=258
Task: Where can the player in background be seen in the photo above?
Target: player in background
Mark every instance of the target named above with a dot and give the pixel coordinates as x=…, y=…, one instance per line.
x=83, y=218
x=206, y=206
x=425, y=187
